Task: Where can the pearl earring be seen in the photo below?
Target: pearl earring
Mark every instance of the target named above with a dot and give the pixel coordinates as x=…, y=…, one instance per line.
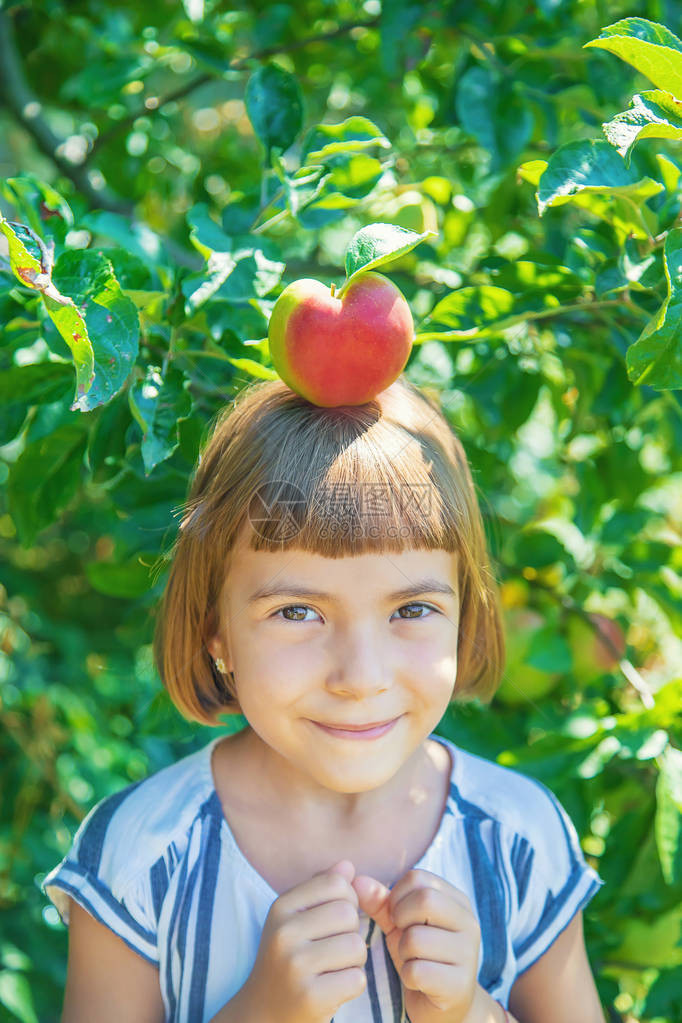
x=220, y=664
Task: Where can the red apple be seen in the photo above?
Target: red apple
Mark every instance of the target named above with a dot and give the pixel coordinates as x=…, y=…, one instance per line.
x=340, y=351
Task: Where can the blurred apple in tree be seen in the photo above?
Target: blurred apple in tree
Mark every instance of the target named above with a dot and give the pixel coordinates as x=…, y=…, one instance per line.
x=524, y=680
x=597, y=644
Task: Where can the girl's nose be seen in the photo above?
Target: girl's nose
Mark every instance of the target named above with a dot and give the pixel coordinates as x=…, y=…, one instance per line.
x=360, y=666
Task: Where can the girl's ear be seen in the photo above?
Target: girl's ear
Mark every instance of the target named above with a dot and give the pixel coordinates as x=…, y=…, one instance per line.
x=214, y=644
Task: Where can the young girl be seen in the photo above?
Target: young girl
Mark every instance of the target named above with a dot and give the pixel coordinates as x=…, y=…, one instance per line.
x=335, y=859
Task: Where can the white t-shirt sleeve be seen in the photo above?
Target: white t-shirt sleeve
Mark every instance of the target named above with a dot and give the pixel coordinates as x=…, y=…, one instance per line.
x=96, y=872
x=552, y=879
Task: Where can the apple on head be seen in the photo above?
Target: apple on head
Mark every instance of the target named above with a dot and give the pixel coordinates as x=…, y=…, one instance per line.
x=340, y=350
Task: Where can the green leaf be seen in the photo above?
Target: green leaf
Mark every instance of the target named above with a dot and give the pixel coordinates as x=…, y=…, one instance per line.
x=274, y=104
x=12, y=418
x=549, y=651
x=592, y=166
x=15, y=995
x=255, y=369
x=206, y=235
x=625, y=217
x=490, y=111
x=656, y=357
x=240, y=267
x=44, y=478
x=522, y=291
x=245, y=320
x=649, y=47
x=128, y=579
x=132, y=273
x=25, y=255
x=664, y=997
x=352, y=135
x=668, y=821
x=396, y=30
x=36, y=383
x=531, y=171
x=137, y=238
x=353, y=175
x=71, y=325
x=376, y=245
x=468, y=312
x=100, y=83
x=249, y=272
x=36, y=200
x=326, y=208
x=348, y=178
x=110, y=320
x=158, y=404
x=303, y=186
x=654, y=114
x=199, y=289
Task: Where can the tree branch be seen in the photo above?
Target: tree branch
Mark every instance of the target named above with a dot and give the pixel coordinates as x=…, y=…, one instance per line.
x=236, y=65
x=17, y=96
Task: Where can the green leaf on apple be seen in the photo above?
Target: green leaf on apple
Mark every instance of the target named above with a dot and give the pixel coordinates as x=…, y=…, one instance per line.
x=376, y=245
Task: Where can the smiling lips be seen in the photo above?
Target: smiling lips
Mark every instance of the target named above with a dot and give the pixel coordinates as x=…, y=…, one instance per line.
x=358, y=731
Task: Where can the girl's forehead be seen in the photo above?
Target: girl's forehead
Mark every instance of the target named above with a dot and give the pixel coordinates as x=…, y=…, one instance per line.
x=254, y=568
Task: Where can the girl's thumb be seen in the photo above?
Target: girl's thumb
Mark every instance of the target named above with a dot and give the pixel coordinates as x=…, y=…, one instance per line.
x=344, y=867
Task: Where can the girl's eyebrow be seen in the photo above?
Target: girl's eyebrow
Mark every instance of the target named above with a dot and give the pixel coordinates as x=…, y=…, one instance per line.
x=293, y=589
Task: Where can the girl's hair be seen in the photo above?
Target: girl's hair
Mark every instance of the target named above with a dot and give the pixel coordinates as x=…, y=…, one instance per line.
x=386, y=476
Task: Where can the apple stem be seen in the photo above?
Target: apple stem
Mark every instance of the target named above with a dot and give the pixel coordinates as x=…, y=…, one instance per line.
x=333, y=289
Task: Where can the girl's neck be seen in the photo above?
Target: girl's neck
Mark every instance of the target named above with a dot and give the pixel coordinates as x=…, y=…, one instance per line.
x=274, y=785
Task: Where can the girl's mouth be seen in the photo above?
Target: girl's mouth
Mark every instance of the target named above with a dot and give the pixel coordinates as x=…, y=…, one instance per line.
x=363, y=733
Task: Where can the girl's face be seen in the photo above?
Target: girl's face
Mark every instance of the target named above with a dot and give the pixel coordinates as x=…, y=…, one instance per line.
x=340, y=641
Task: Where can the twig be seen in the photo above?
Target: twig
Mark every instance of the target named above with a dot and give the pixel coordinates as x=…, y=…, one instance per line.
x=240, y=64
x=18, y=97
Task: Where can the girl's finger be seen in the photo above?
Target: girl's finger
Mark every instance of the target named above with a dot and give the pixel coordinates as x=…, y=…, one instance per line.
x=434, y=944
x=441, y=982
x=433, y=907
x=415, y=880
x=373, y=900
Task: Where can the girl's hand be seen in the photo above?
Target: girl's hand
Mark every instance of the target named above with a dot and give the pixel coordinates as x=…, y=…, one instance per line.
x=311, y=955
x=433, y=938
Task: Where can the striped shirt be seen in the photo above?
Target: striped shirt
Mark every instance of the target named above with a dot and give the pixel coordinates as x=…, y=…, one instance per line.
x=158, y=864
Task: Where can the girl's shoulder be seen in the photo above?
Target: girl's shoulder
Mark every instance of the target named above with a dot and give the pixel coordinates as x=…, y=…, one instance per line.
x=128, y=831
x=129, y=845
x=520, y=804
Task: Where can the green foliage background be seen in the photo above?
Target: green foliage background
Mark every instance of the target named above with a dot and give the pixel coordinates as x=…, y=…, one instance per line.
x=181, y=163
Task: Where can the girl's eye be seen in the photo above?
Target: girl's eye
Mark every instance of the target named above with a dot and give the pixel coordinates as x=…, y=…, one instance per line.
x=419, y=605
x=293, y=607
x=304, y=607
